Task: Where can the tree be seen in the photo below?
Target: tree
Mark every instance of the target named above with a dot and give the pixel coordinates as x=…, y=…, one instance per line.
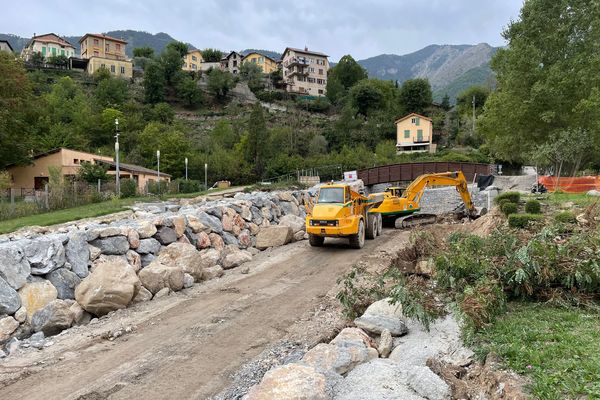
x=257, y=140
x=365, y=98
x=317, y=145
x=220, y=83
x=253, y=75
x=171, y=62
x=445, y=102
x=91, y=173
x=180, y=47
x=146, y=51
x=464, y=101
x=59, y=61
x=111, y=92
x=101, y=74
x=188, y=91
x=154, y=83
x=170, y=141
x=212, y=55
x=547, y=78
x=37, y=59
x=162, y=112
x=415, y=95
x=343, y=76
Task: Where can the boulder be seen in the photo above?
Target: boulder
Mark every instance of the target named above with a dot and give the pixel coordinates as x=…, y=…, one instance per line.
x=65, y=282
x=80, y=316
x=55, y=317
x=245, y=239
x=21, y=315
x=300, y=235
x=179, y=224
x=157, y=276
x=36, y=295
x=143, y=295
x=289, y=208
x=286, y=196
x=256, y=215
x=353, y=335
x=265, y=212
x=14, y=267
x=296, y=223
x=211, y=221
x=229, y=239
x=78, y=253
x=146, y=229
x=184, y=256
x=147, y=259
x=385, y=343
x=94, y=254
x=164, y=292
x=216, y=212
x=273, y=236
x=148, y=246
x=292, y=382
x=188, y=281
x=108, y=231
x=253, y=228
x=339, y=359
x=45, y=254
x=111, y=286
x=227, y=222
x=376, y=324
x=202, y=240
x=213, y=272
x=245, y=213
x=166, y=235
x=236, y=258
x=427, y=384
x=196, y=226
x=216, y=241
x=134, y=238
x=134, y=259
x=10, y=301
x=593, y=193
x=113, y=245
x=7, y=326
x=385, y=308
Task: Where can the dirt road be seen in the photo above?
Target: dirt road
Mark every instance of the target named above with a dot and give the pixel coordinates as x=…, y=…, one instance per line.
x=186, y=346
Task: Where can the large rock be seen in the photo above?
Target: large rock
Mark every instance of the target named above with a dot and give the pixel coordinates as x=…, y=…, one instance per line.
x=184, y=256
x=213, y=272
x=134, y=238
x=52, y=319
x=166, y=235
x=143, y=295
x=179, y=224
x=9, y=299
x=78, y=253
x=36, y=295
x=149, y=246
x=65, y=282
x=236, y=258
x=353, y=335
x=386, y=343
x=196, y=225
x=157, y=276
x=273, y=236
x=134, y=259
x=14, y=267
x=45, y=254
x=292, y=382
x=338, y=359
x=146, y=229
x=289, y=208
x=7, y=326
x=427, y=384
x=216, y=241
x=211, y=221
x=202, y=240
x=111, y=286
x=383, y=315
x=296, y=223
x=113, y=245
x=229, y=239
x=245, y=239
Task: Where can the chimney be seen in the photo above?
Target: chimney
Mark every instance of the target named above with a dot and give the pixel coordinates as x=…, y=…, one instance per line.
x=305, y=48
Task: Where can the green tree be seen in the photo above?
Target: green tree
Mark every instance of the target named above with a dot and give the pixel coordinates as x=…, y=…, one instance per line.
x=37, y=59
x=111, y=92
x=253, y=75
x=145, y=51
x=180, y=47
x=256, y=150
x=365, y=98
x=171, y=61
x=172, y=144
x=101, y=74
x=91, y=173
x=162, y=112
x=188, y=91
x=547, y=78
x=220, y=83
x=415, y=95
x=345, y=74
x=317, y=145
x=464, y=101
x=59, y=61
x=154, y=83
x=223, y=135
x=445, y=102
x=212, y=55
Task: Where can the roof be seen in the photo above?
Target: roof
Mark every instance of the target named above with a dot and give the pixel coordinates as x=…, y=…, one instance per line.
x=102, y=36
x=194, y=51
x=230, y=53
x=412, y=115
x=8, y=44
x=56, y=150
x=58, y=39
x=132, y=168
x=260, y=54
x=306, y=51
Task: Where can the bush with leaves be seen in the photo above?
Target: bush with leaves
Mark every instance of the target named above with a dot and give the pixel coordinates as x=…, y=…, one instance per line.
x=513, y=197
x=128, y=187
x=522, y=221
x=533, y=207
x=92, y=173
x=509, y=208
x=565, y=217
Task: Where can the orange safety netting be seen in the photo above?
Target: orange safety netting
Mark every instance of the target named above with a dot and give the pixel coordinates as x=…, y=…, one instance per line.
x=581, y=184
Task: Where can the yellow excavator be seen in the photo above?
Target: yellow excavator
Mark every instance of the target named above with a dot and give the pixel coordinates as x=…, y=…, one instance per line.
x=403, y=208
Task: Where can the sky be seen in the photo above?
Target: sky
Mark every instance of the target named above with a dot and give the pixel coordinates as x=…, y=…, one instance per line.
x=337, y=27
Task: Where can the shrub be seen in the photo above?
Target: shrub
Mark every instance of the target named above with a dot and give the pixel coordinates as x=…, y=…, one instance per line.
x=128, y=188
x=508, y=208
x=565, y=217
x=189, y=186
x=533, y=207
x=522, y=220
x=502, y=202
x=513, y=197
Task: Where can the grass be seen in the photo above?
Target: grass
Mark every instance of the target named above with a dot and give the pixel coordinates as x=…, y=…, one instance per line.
x=557, y=348
x=581, y=199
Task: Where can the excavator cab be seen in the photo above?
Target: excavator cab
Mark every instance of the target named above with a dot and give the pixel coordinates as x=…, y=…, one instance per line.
x=394, y=191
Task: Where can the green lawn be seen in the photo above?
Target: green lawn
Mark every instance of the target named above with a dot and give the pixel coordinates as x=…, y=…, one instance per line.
x=580, y=199
x=557, y=348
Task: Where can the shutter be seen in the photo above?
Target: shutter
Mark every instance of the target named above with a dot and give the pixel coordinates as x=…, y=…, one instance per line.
x=418, y=121
x=419, y=135
x=406, y=134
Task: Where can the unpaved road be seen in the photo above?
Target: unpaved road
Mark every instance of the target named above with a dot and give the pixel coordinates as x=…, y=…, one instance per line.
x=187, y=346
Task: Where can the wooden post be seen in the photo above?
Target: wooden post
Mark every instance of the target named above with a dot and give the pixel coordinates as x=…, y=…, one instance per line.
x=12, y=196
x=46, y=200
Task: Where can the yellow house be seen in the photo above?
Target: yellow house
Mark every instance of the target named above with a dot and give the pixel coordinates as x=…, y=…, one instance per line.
x=267, y=64
x=36, y=174
x=192, y=61
x=414, y=133
x=103, y=51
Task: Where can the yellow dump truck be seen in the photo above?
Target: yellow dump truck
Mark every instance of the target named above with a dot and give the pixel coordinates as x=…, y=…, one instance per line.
x=340, y=211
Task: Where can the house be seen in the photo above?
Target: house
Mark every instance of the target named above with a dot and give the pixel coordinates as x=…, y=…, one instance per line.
x=192, y=61
x=47, y=45
x=5, y=46
x=103, y=51
x=414, y=133
x=36, y=175
x=267, y=64
x=232, y=62
x=305, y=71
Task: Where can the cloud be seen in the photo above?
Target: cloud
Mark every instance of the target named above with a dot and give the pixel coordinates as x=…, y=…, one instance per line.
x=336, y=27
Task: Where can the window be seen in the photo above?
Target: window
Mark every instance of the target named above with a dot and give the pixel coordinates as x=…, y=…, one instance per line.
x=96, y=53
x=96, y=42
x=253, y=61
x=75, y=161
x=406, y=134
x=123, y=70
x=107, y=47
x=419, y=135
x=416, y=121
x=234, y=64
x=331, y=195
x=261, y=60
x=53, y=51
x=102, y=65
x=320, y=91
x=43, y=51
x=311, y=69
x=118, y=47
x=62, y=52
x=184, y=65
x=194, y=58
x=311, y=80
x=194, y=66
x=320, y=71
x=112, y=69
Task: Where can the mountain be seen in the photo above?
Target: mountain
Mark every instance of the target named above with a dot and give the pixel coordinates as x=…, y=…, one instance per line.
x=449, y=68
x=134, y=39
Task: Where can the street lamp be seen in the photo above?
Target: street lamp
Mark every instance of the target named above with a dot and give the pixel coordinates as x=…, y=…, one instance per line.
x=186, y=168
x=158, y=169
x=118, y=172
x=205, y=176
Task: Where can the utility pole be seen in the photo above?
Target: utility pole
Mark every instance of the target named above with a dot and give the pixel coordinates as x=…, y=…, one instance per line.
x=158, y=169
x=205, y=176
x=118, y=172
x=186, y=168
x=473, y=114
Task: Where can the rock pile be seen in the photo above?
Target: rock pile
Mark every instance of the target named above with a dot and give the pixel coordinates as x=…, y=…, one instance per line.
x=50, y=281
x=355, y=366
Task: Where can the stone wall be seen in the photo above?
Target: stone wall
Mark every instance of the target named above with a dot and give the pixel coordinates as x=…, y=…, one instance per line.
x=68, y=275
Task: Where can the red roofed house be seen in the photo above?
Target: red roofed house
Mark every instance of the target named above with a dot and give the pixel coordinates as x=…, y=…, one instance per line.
x=103, y=51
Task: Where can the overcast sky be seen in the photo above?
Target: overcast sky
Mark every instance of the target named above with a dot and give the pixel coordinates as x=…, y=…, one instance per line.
x=337, y=27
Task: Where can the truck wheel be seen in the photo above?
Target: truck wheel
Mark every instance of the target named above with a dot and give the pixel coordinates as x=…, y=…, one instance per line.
x=371, y=226
x=379, y=224
x=316, y=241
x=358, y=241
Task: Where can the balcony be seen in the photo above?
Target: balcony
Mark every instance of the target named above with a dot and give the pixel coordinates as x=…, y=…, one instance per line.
x=300, y=61
x=298, y=72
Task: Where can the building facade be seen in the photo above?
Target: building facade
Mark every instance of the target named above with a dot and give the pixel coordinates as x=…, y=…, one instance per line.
x=192, y=61
x=103, y=51
x=5, y=46
x=232, y=62
x=304, y=71
x=267, y=64
x=47, y=45
x=414, y=133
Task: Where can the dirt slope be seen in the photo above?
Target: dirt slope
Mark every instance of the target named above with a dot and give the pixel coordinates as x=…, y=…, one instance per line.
x=188, y=345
